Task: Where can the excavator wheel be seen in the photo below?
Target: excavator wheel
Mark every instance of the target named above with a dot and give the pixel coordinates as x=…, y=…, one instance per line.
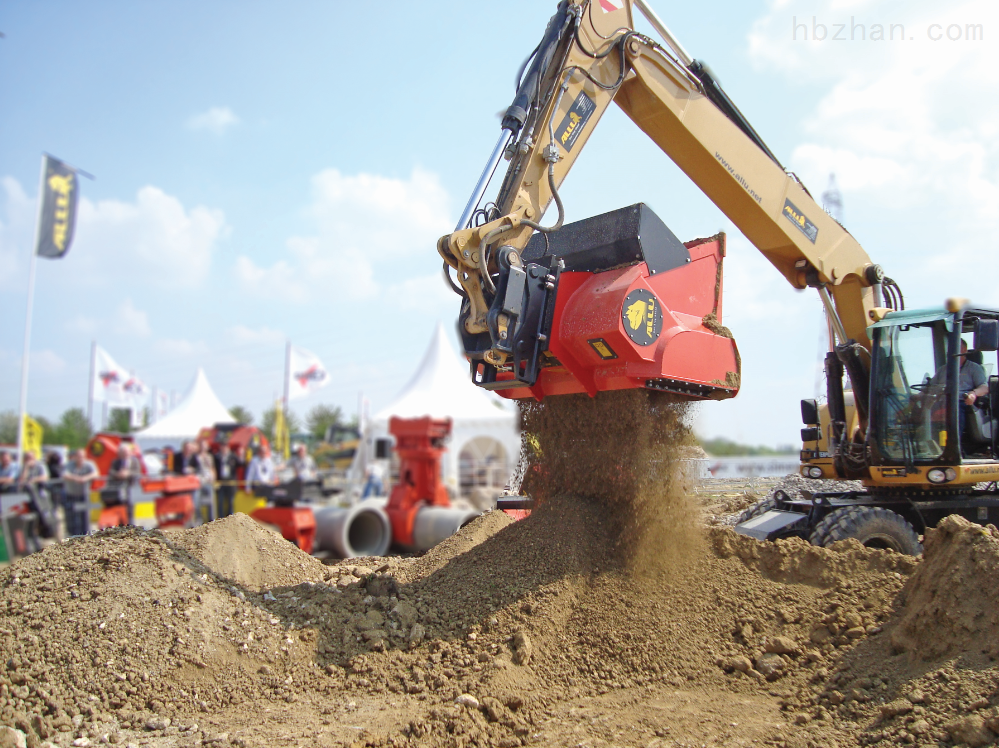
x=760, y=507
x=874, y=527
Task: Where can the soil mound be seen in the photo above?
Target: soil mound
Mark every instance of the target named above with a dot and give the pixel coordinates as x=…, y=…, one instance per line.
x=951, y=604
x=241, y=549
x=119, y=632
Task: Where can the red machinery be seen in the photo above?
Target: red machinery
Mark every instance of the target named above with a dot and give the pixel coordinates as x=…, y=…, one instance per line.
x=419, y=442
x=174, y=505
x=296, y=523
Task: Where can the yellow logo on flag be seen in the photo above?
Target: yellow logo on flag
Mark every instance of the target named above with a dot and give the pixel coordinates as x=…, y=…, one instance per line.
x=32, y=440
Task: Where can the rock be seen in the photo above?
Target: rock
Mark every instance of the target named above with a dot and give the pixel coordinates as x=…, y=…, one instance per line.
x=81, y=743
x=919, y=727
x=781, y=645
x=895, y=708
x=466, y=699
x=820, y=635
x=406, y=613
x=855, y=633
x=836, y=698
x=970, y=730
x=158, y=723
x=802, y=718
x=522, y=648
x=494, y=709
x=770, y=665
x=916, y=697
x=852, y=621
x=739, y=662
x=416, y=634
x=11, y=738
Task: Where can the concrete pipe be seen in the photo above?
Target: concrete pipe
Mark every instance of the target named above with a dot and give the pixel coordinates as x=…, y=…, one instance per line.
x=360, y=530
x=434, y=524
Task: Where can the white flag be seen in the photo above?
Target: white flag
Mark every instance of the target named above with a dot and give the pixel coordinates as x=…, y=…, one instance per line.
x=137, y=393
x=306, y=373
x=109, y=380
x=161, y=404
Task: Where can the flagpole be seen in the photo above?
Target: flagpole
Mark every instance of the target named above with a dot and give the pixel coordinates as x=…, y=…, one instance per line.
x=287, y=374
x=90, y=392
x=27, y=319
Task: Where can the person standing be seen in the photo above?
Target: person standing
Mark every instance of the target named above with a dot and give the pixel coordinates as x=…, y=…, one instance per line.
x=206, y=474
x=57, y=492
x=8, y=472
x=225, y=473
x=186, y=463
x=32, y=481
x=303, y=464
x=77, y=477
x=261, y=473
x=124, y=475
x=373, y=486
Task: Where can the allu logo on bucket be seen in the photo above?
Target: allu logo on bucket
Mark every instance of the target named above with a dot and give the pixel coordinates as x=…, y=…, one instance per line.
x=642, y=317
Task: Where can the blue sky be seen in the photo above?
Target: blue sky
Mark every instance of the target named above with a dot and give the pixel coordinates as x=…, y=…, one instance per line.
x=269, y=171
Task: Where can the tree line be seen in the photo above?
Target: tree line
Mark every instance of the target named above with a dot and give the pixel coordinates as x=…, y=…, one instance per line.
x=73, y=430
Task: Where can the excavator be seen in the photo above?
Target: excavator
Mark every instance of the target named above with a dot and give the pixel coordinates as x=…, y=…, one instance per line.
x=617, y=301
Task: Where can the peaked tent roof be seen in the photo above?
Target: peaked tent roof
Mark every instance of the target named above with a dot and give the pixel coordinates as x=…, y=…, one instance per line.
x=441, y=388
x=199, y=408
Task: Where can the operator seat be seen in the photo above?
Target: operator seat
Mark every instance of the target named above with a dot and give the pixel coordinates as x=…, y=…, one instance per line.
x=981, y=423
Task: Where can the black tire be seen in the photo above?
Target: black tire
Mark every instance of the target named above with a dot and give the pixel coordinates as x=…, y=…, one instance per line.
x=760, y=507
x=873, y=526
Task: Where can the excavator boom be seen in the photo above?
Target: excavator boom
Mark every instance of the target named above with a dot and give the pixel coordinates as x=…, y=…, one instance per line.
x=618, y=301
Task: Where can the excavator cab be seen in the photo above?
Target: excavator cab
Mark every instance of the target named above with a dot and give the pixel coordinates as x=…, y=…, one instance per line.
x=920, y=425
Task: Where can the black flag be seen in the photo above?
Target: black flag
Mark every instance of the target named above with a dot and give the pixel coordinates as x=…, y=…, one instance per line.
x=58, y=217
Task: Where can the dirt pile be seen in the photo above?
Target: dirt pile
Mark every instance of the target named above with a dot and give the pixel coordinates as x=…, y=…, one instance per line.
x=245, y=552
x=569, y=627
x=951, y=605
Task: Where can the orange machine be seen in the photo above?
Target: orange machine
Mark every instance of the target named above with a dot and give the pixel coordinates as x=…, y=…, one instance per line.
x=419, y=442
x=296, y=523
x=174, y=505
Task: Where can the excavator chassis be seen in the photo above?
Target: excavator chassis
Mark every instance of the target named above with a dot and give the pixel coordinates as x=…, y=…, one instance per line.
x=610, y=302
x=804, y=517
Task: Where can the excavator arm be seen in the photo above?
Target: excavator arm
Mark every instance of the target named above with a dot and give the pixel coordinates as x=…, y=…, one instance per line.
x=517, y=334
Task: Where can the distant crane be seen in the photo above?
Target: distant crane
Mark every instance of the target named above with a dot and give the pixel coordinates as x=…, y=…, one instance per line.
x=832, y=200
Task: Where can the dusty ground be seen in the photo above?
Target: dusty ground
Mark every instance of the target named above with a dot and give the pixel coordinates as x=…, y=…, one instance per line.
x=508, y=634
x=617, y=619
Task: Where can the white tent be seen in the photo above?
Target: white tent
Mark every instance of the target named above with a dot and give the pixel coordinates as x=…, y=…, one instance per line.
x=482, y=424
x=199, y=408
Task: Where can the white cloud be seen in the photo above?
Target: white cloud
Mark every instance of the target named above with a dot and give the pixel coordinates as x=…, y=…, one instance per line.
x=908, y=128
x=16, y=226
x=131, y=321
x=365, y=223
x=180, y=347
x=82, y=324
x=216, y=120
x=426, y=293
x=45, y=362
x=155, y=238
x=243, y=335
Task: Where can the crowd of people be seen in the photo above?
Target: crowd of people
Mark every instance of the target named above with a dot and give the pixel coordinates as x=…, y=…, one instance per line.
x=59, y=493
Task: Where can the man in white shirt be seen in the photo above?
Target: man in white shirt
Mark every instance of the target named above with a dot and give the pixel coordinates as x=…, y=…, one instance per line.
x=303, y=464
x=261, y=470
